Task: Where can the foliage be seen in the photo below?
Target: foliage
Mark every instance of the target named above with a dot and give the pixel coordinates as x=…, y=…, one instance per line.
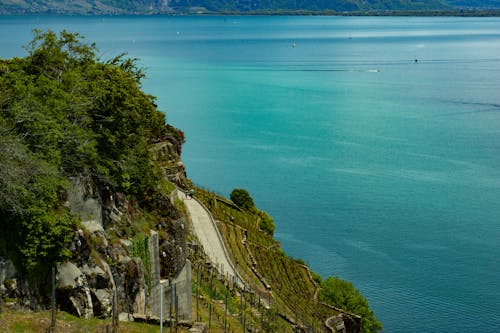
x=242, y=199
x=63, y=112
x=342, y=294
x=266, y=222
x=34, y=229
x=140, y=249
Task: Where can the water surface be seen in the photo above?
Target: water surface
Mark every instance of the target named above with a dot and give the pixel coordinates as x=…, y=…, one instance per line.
x=376, y=168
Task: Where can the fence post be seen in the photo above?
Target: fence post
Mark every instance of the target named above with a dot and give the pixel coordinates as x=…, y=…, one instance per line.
x=261, y=316
x=114, y=315
x=161, y=307
x=244, y=315
x=210, y=292
x=197, y=287
x=171, y=308
x=176, y=300
x=225, y=314
x=53, y=299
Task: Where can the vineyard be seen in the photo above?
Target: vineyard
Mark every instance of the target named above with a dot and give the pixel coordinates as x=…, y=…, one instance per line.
x=283, y=283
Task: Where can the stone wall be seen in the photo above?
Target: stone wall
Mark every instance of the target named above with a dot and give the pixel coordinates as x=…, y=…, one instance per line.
x=177, y=296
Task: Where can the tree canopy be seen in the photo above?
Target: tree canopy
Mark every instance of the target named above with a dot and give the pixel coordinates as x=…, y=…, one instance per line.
x=64, y=112
x=242, y=198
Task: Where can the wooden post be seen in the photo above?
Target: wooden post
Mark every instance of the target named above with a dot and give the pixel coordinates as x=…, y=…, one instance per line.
x=171, y=308
x=210, y=304
x=176, y=300
x=244, y=316
x=53, y=299
x=197, y=286
x=115, y=316
x=225, y=314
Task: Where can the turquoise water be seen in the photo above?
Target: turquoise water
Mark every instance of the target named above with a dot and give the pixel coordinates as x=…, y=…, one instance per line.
x=377, y=169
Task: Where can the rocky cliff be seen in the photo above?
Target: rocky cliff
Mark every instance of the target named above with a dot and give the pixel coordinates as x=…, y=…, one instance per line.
x=111, y=251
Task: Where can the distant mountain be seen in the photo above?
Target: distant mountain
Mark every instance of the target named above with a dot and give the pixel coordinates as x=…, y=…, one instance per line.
x=140, y=7
x=475, y=4
x=171, y=6
x=308, y=5
x=83, y=6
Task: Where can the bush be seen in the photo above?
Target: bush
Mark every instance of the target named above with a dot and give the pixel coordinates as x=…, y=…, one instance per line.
x=342, y=294
x=266, y=222
x=242, y=199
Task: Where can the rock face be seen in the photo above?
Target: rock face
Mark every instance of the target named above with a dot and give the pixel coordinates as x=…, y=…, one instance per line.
x=167, y=152
x=105, y=272
x=86, y=286
x=73, y=291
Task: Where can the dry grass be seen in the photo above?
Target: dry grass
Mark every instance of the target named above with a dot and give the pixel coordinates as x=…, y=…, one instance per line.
x=39, y=322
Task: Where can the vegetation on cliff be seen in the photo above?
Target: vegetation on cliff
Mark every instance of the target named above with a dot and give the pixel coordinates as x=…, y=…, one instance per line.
x=341, y=293
x=64, y=112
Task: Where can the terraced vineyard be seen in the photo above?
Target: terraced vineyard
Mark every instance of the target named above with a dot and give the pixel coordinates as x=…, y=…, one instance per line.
x=284, y=283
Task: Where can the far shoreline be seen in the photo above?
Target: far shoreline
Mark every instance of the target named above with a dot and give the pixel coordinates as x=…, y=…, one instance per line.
x=203, y=12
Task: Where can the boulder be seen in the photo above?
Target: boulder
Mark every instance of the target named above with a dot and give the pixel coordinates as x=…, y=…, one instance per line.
x=198, y=328
x=8, y=282
x=69, y=276
x=102, y=302
x=123, y=316
x=97, y=278
x=73, y=293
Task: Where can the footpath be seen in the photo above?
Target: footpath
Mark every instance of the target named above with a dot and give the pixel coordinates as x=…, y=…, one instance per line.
x=208, y=235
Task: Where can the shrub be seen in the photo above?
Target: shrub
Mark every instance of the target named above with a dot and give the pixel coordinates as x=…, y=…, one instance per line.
x=342, y=294
x=242, y=199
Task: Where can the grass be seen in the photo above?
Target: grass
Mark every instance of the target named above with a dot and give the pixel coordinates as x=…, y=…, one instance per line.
x=17, y=321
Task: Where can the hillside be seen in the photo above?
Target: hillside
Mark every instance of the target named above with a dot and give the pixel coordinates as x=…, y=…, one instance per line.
x=113, y=7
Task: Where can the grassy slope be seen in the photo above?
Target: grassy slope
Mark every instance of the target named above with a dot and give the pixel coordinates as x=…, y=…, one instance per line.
x=39, y=322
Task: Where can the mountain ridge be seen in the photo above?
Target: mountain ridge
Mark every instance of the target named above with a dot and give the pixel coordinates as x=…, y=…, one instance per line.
x=144, y=7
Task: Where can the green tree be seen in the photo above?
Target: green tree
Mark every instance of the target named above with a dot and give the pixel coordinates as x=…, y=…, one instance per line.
x=64, y=112
x=35, y=229
x=342, y=294
x=242, y=199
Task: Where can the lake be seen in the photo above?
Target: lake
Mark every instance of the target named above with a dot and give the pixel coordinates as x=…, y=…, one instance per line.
x=374, y=142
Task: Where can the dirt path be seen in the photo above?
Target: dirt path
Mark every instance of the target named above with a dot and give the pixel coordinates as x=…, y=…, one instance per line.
x=208, y=234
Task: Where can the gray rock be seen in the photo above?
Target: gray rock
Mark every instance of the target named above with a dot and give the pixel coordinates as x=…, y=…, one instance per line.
x=97, y=278
x=73, y=292
x=123, y=316
x=69, y=276
x=102, y=302
x=7, y=269
x=7, y=277
x=198, y=328
x=84, y=200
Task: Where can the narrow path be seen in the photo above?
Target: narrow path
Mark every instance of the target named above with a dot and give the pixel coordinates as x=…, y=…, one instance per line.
x=208, y=234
